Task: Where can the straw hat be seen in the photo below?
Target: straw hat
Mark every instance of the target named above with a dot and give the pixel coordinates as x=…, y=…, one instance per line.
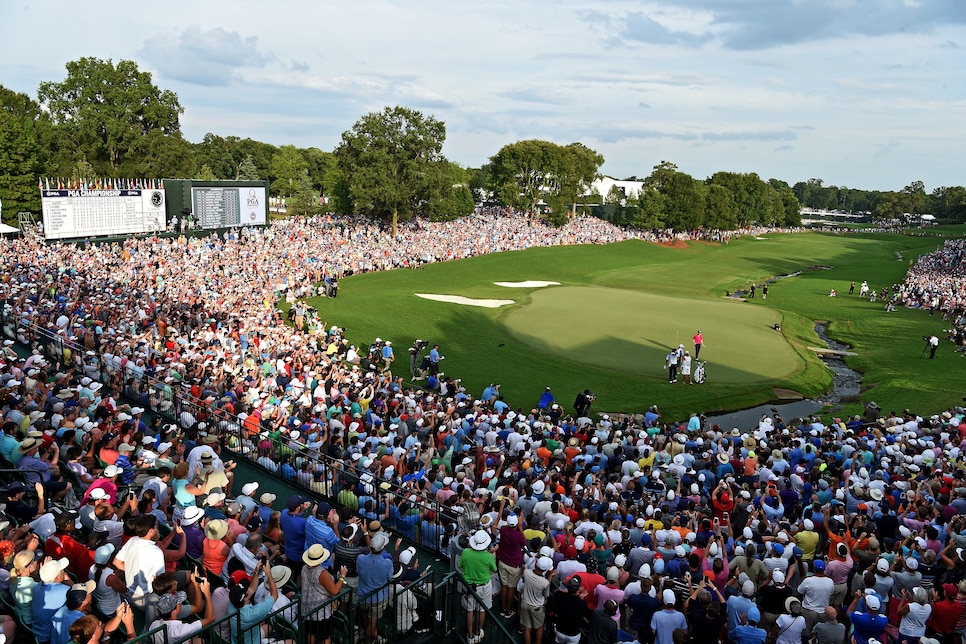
x=314, y=556
x=216, y=529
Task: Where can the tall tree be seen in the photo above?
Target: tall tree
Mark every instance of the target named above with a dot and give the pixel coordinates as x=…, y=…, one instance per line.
x=288, y=168
x=21, y=153
x=304, y=199
x=452, y=198
x=102, y=110
x=525, y=172
x=683, y=197
x=247, y=170
x=913, y=198
x=579, y=168
x=387, y=160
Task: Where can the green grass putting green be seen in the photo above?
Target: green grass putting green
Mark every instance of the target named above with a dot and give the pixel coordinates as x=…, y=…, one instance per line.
x=620, y=306
x=632, y=331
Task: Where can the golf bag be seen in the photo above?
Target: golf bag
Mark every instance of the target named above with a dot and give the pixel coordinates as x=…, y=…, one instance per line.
x=699, y=373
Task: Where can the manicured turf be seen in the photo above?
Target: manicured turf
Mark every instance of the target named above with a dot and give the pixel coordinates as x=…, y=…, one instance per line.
x=619, y=306
x=632, y=331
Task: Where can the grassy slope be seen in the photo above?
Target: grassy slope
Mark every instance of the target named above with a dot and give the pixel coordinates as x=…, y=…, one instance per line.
x=479, y=348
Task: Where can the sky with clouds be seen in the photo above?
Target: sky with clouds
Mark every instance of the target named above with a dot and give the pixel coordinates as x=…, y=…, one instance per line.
x=860, y=93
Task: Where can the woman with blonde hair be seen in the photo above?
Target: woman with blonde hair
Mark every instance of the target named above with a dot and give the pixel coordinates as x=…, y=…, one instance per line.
x=22, y=584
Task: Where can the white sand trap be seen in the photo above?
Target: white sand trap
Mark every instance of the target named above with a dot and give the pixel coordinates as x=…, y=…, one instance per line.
x=529, y=284
x=457, y=299
x=761, y=238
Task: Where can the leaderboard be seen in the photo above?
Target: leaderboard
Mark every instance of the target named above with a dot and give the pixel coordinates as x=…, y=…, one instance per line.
x=228, y=207
x=84, y=212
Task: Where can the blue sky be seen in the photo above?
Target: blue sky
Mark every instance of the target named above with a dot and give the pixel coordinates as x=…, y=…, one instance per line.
x=868, y=94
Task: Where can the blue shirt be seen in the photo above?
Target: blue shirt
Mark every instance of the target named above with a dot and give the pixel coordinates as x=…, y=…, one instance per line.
x=319, y=531
x=62, y=621
x=251, y=616
x=35, y=470
x=293, y=525
x=47, y=600
x=375, y=571
x=747, y=634
x=866, y=626
x=664, y=622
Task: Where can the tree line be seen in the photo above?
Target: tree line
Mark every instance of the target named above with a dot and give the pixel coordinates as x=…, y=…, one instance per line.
x=110, y=120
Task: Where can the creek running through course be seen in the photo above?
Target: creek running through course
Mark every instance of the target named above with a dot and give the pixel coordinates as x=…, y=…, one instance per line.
x=846, y=384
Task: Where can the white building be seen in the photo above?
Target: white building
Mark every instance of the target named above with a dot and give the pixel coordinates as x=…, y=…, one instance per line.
x=603, y=185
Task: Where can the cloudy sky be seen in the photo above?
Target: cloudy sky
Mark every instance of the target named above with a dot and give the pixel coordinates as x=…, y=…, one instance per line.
x=861, y=93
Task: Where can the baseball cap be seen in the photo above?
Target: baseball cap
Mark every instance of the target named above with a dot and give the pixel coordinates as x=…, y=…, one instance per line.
x=295, y=501
x=818, y=565
x=872, y=602
x=668, y=596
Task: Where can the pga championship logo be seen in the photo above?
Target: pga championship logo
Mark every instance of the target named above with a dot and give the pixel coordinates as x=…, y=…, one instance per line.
x=252, y=198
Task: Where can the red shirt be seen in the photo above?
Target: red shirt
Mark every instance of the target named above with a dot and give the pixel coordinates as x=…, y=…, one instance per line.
x=63, y=545
x=512, y=543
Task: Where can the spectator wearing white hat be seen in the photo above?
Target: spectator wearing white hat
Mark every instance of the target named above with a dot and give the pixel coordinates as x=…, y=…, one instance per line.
x=510, y=560
x=477, y=565
x=667, y=620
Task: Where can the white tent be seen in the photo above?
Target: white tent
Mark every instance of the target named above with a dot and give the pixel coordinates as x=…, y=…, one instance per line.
x=6, y=230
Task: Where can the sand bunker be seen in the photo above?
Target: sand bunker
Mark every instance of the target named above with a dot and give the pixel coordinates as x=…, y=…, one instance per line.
x=456, y=299
x=528, y=284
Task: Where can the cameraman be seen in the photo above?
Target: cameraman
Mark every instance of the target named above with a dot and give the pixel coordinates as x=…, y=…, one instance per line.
x=933, y=343
x=583, y=402
x=414, y=361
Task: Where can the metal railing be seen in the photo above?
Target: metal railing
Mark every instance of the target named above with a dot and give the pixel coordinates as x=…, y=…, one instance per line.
x=287, y=623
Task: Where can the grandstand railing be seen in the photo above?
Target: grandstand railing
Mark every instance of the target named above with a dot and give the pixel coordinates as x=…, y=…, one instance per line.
x=333, y=479
x=287, y=623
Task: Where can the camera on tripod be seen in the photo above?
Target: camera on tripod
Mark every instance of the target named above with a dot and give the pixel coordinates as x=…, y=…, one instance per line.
x=418, y=346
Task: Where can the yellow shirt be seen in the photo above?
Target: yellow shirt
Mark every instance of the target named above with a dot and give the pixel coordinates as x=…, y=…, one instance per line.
x=807, y=540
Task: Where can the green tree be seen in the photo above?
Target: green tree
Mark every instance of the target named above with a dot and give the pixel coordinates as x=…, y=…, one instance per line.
x=949, y=203
x=21, y=154
x=579, y=167
x=304, y=200
x=650, y=209
x=247, y=170
x=318, y=163
x=913, y=198
x=524, y=173
x=102, y=111
x=452, y=198
x=683, y=197
x=288, y=168
x=158, y=155
x=215, y=152
x=388, y=162
x=82, y=169
x=889, y=206
x=720, y=208
x=204, y=173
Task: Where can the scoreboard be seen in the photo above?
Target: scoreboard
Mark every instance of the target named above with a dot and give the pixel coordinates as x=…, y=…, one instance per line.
x=78, y=213
x=228, y=207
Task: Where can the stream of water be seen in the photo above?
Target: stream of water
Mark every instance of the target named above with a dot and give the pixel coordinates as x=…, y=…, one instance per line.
x=846, y=383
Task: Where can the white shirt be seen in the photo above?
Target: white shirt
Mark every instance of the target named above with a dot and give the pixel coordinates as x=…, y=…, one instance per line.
x=816, y=593
x=143, y=561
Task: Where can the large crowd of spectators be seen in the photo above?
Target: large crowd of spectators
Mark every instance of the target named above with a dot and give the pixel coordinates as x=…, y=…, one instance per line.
x=632, y=528
x=937, y=281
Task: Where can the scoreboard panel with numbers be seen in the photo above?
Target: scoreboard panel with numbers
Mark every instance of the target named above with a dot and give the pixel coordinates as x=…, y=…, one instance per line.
x=229, y=206
x=79, y=213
